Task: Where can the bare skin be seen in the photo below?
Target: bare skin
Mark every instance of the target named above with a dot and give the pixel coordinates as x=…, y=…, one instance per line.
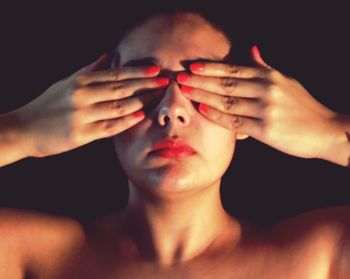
x=174, y=225
x=88, y=105
x=304, y=246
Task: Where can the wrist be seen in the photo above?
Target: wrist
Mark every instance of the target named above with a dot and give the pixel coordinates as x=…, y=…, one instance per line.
x=338, y=148
x=11, y=138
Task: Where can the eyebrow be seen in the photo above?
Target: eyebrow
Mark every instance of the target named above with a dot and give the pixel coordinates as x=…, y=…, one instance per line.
x=145, y=61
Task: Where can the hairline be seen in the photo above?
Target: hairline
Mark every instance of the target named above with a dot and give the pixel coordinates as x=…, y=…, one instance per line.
x=173, y=14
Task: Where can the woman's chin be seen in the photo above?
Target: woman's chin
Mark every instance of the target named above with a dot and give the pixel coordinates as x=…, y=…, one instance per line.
x=170, y=180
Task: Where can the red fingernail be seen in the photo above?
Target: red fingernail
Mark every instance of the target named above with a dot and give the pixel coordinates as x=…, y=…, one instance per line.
x=197, y=67
x=203, y=107
x=186, y=88
x=152, y=70
x=162, y=81
x=256, y=50
x=139, y=114
x=182, y=77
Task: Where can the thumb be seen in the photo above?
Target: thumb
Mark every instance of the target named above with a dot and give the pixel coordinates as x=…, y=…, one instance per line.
x=96, y=65
x=256, y=56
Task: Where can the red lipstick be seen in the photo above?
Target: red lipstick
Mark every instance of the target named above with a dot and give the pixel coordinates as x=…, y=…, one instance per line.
x=172, y=149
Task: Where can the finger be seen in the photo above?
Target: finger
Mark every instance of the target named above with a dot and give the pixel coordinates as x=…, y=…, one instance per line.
x=99, y=63
x=224, y=85
x=119, y=108
x=241, y=124
x=120, y=90
x=227, y=104
x=111, y=75
x=256, y=56
x=227, y=70
x=111, y=127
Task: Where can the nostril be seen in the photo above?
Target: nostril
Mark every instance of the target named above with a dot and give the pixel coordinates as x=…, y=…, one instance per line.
x=182, y=120
x=166, y=119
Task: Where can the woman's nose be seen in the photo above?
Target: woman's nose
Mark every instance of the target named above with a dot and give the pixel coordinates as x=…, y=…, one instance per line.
x=174, y=107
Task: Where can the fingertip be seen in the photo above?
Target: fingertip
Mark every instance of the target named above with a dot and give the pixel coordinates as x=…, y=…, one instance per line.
x=152, y=70
x=139, y=114
x=101, y=61
x=103, y=56
x=163, y=81
x=186, y=89
x=256, y=55
x=182, y=77
x=255, y=51
x=197, y=67
x=202, y=107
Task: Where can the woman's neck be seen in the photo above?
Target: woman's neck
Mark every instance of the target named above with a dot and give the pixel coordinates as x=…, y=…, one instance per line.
x=179, y=227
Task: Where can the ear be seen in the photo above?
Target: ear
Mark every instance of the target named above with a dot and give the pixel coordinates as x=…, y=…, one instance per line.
x=241, y=136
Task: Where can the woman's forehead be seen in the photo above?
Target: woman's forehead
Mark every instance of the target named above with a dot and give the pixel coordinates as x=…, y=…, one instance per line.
x=183, y=40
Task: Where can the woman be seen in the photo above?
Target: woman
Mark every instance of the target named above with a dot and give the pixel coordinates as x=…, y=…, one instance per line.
x=175, y=111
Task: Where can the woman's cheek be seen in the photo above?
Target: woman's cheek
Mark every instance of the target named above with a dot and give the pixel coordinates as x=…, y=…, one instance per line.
x=221, y=142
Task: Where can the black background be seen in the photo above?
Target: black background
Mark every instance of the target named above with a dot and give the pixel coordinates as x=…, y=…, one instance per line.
x=41, y=44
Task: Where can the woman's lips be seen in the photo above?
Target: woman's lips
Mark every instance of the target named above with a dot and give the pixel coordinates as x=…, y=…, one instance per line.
x=173, y=152
x=172, y=149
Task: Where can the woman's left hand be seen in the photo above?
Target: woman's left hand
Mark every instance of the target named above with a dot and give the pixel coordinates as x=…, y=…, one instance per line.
x=262, y=103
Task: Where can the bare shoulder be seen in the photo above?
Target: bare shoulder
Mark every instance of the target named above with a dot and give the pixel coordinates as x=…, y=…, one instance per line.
x=24, y=225
x=324, y=220
x=321, y=234
x=27, y=238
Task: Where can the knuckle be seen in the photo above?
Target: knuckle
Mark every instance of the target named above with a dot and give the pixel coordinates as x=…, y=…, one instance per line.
x=234, y=71
x=107, y=126
x=229, y=102
x=113, y=74
x=118, y=89
x=237, y=122
x=117, y=107
x=116, y=86
x=228, y=84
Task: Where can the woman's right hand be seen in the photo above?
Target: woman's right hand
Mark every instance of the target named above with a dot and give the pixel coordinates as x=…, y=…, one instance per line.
x=86, y=106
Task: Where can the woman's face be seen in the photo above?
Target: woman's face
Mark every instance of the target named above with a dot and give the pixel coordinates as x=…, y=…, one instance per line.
x=169, y=43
